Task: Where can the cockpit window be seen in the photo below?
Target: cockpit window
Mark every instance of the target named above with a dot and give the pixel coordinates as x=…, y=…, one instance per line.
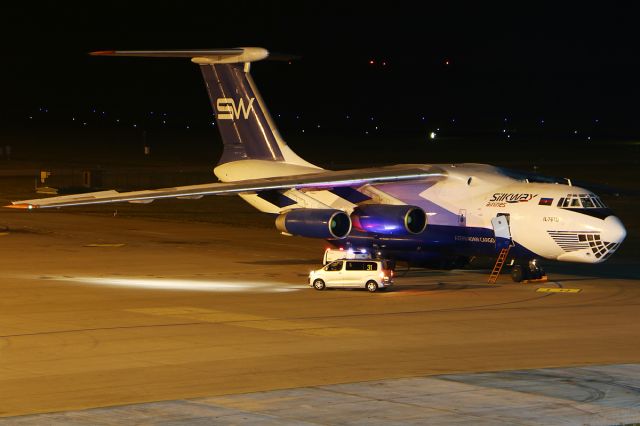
x=585, y=201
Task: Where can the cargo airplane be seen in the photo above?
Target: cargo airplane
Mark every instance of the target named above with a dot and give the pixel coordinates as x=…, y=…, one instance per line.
x=424, y=214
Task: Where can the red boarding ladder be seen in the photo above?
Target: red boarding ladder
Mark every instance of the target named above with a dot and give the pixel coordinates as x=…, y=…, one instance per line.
x=499, y=264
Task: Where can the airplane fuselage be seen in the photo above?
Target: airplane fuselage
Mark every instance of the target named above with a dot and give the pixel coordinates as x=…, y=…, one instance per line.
x=460, y=209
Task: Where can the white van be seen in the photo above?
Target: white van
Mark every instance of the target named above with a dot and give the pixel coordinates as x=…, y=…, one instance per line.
x=353, y=273
x=334, y=254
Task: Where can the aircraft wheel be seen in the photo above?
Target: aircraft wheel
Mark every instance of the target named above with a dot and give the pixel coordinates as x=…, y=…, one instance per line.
x=517, y=274
x=318, y=284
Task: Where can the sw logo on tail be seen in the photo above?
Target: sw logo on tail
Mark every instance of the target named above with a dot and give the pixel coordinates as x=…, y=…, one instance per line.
x=228, y=110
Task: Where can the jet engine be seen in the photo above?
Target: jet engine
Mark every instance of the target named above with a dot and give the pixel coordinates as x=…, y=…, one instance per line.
x=315, y=223
x=389, y=219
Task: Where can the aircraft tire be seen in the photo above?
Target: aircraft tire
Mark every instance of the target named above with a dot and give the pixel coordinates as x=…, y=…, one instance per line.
x=517, y=274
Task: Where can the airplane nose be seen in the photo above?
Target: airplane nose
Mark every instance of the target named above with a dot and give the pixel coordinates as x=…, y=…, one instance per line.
x=613, y=230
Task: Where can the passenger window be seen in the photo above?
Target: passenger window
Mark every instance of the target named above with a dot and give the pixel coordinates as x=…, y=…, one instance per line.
x=372, y=266
x=335, y=266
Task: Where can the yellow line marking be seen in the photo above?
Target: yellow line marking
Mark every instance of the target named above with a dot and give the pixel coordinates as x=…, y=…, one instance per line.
x=4, y=233
x=309, y=328
x=558, y=290
x=106, y=245
x=198, y=314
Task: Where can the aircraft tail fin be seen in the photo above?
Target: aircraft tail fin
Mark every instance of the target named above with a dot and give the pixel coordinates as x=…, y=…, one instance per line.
x=246, y=127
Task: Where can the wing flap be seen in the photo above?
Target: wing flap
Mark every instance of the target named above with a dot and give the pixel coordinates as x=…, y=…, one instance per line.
x=316, y=181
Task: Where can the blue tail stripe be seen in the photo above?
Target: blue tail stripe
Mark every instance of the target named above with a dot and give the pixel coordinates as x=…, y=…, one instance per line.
x=240, y=116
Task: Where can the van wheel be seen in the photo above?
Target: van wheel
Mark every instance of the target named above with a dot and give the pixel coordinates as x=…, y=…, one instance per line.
x=372, y=286
x=318, y=284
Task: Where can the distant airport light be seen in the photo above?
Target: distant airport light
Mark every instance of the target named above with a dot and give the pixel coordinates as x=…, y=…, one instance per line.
x=446, y=62
x=575, y=132
x=432, y=135
x=371, y=62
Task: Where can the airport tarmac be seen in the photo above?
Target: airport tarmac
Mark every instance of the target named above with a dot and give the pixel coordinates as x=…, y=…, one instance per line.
x=104, y=310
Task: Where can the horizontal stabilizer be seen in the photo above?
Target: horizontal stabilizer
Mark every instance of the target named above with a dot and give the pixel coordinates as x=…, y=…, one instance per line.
x=200, y=56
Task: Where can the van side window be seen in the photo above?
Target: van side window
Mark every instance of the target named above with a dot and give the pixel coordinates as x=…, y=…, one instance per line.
x=362, y=266
x=335, y=266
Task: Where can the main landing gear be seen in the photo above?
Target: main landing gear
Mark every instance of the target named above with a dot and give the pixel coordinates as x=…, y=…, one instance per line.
x=529, y=272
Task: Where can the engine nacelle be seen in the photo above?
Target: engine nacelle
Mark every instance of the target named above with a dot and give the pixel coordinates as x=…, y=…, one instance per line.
x=389, y=219
x=315, y=223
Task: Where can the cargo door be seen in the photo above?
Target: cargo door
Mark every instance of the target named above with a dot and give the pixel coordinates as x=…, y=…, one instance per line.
x=502, y=231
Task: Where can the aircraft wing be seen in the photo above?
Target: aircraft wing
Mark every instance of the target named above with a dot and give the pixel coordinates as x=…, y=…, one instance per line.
x=323, y=180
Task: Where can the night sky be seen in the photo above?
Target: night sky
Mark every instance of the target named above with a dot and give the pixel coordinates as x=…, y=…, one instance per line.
x=467, y=65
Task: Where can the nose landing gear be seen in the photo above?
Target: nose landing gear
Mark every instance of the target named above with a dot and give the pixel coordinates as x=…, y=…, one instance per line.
x=528, y=273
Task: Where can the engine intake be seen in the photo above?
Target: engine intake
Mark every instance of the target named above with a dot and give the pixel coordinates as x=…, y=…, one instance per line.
x=389, y=219
x=315, y=223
